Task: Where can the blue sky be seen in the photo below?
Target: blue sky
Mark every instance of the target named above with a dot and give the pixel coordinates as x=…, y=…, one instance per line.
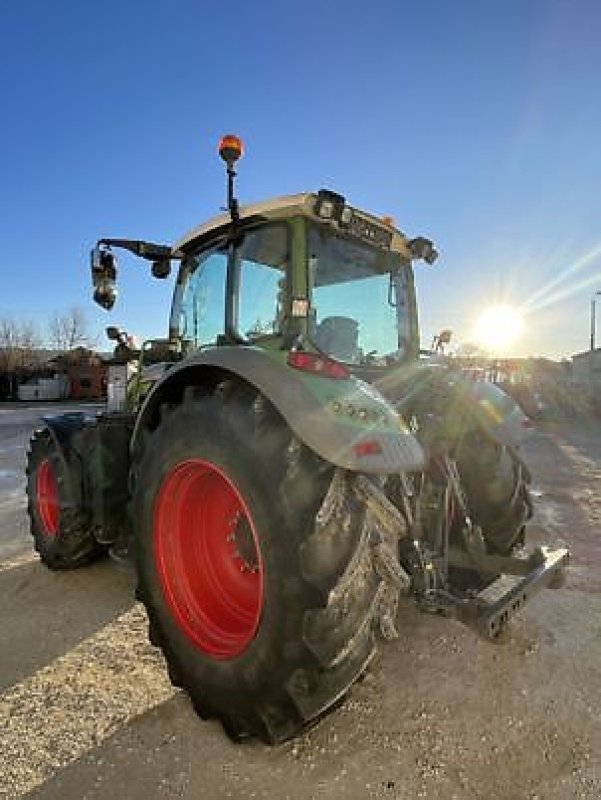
x=475, y=123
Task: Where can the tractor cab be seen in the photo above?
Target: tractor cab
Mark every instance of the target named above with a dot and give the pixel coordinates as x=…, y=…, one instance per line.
x=306, y=272
x=287, y=277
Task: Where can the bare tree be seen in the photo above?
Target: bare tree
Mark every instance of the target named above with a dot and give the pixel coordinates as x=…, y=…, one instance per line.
x=69, y=330
x=8, y=344
x=29, y=336
x=18, y=343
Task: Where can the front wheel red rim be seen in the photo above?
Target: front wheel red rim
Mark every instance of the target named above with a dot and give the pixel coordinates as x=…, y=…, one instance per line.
x=208, y=558
x=46, y=498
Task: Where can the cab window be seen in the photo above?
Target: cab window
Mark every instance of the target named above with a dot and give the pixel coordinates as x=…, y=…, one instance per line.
x=202, y=314
x=262, y=261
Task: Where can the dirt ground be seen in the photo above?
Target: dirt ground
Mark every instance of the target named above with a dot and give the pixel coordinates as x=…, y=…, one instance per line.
x=86, y=710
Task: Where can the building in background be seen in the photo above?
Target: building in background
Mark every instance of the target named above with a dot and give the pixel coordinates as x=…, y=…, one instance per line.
x=54, y=388
x=86, y=372
x=586, y=378
x=79, y=374
x=586, y=367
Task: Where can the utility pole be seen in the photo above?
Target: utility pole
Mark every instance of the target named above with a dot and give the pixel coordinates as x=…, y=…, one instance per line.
x=593, y=319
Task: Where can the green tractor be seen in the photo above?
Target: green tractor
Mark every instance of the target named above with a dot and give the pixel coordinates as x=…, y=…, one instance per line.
x=288, y=464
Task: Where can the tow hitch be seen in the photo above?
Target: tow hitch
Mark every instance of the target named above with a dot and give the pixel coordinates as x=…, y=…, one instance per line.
x=521, y=578
x=491, y=608
x=518, y=579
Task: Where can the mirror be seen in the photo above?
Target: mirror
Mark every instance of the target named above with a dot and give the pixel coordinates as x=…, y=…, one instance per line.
x=105, y=295
x=441, y=339
x=125, y=349
x=104, y=274
x=161, y=269
x=423, y=248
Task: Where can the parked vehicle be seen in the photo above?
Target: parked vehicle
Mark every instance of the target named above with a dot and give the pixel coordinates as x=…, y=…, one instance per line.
x=285, y=466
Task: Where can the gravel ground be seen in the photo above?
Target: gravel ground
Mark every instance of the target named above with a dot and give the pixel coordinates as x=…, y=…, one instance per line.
x=86, y=710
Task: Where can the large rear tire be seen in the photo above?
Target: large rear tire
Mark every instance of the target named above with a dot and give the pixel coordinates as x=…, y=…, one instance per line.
x=58, y=524
x=260, y=594
x=496, y=485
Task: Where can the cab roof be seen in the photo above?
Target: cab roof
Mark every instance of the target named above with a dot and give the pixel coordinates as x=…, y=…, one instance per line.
x=281, y=208
x=274, y=208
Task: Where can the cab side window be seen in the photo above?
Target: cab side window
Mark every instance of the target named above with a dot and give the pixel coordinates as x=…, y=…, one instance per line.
x=202, y=316
x=263, y=259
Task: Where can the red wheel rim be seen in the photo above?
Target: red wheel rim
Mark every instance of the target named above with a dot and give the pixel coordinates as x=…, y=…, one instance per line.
x=46, y=497
x=208, y=558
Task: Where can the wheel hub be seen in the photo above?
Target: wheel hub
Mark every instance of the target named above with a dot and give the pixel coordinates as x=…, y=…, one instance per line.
x=46, y=497
x=208, y=558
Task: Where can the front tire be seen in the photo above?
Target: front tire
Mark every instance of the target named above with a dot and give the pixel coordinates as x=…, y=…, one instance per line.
x=260, y=595
x=58, y=524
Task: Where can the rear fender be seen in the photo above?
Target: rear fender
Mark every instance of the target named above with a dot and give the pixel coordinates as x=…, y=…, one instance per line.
x=499, y=415
x=346, y=422
x=94, y=454
x=65, y=430
x=461, y=404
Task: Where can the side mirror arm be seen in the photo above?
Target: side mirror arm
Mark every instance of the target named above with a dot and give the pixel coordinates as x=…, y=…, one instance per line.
x=148, y=250
x=103, y=264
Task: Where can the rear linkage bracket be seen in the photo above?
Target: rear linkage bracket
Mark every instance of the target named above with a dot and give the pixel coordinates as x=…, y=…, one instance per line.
x=488, y=611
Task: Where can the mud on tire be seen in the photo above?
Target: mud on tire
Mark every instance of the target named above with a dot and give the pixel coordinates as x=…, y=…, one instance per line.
x=61, y=534
x=260, y=594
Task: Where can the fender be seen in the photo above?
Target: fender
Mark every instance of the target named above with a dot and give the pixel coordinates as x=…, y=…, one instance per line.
x=94, y=455
x=64, y=430
x=499, y=414
x=461, y=403
x=346, y=422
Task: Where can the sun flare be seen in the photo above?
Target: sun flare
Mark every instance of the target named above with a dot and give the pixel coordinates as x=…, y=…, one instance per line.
x=498, y=327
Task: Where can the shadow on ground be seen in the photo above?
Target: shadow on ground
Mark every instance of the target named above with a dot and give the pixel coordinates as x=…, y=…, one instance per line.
x=44, y=614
